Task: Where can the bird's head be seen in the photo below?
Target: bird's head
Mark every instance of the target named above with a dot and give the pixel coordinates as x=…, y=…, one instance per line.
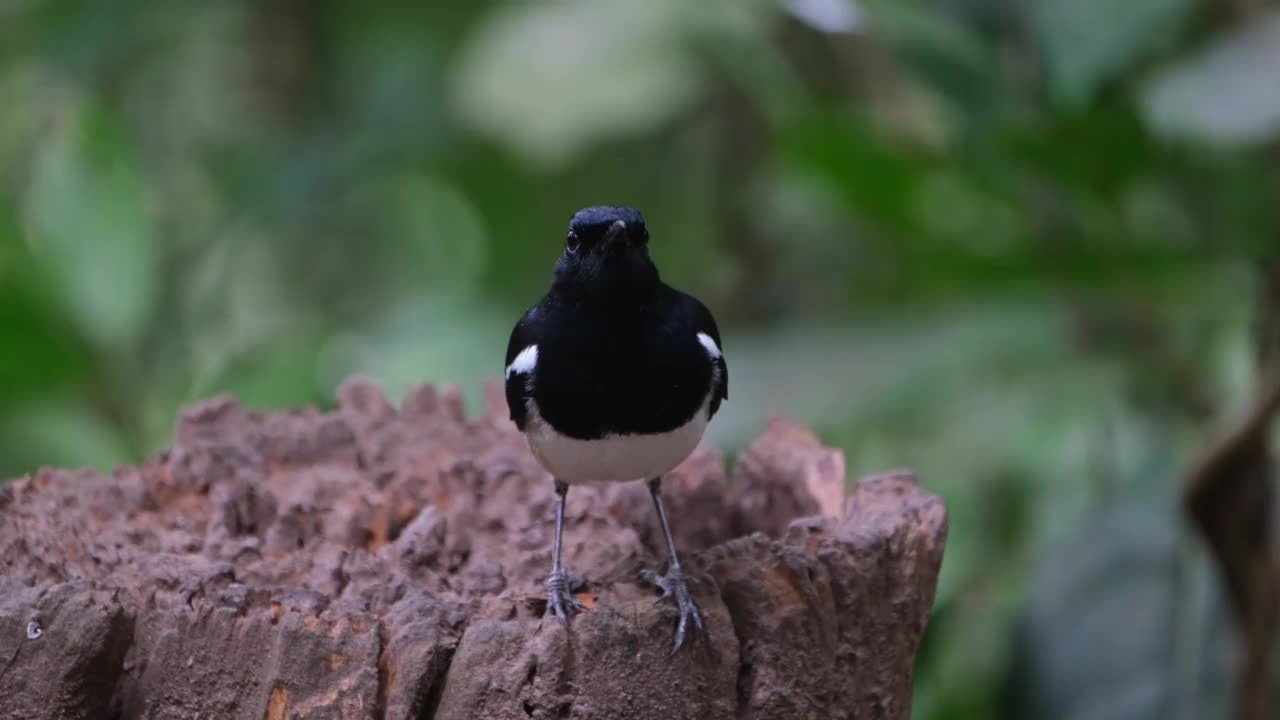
x=606, y=252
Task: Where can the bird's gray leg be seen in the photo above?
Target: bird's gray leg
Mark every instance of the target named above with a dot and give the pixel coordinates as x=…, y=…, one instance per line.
x=673, y=584
x=560, y=601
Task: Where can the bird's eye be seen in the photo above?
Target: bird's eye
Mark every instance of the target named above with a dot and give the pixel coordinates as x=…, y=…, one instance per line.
x=571, y=242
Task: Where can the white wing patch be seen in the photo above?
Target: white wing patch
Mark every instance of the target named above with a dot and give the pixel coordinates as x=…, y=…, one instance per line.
x=525, y=362
x=712, y=349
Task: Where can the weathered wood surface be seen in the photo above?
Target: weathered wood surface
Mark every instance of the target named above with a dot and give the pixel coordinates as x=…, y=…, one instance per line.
x=376, y=562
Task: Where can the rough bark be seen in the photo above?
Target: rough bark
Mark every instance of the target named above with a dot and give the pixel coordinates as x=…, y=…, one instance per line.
x=382, y=563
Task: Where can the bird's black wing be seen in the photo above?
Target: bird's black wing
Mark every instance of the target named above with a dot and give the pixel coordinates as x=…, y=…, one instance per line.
x=519, y=383
x=703, y=322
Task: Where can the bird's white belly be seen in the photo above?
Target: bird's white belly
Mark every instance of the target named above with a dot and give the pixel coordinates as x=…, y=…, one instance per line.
x=615, y=458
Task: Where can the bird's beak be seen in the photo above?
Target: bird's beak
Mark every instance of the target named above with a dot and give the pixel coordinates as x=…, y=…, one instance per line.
x=616, y=232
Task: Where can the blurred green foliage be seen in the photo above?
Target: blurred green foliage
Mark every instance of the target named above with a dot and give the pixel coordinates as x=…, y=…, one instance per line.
x=1005, y=242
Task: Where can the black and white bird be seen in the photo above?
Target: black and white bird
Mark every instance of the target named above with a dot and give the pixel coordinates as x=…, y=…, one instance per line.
x=613, y=376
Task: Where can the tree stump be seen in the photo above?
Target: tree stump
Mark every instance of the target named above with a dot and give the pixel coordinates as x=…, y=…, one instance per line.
x=380, y=563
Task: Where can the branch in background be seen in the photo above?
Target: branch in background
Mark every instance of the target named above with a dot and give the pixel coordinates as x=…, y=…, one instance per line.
x=1228, y=493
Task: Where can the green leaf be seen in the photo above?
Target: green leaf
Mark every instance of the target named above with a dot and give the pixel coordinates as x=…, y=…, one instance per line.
x=551, y=79
x=280, y=375
x=58, y=431
x=1226, y=94
x=869, y=173
x=87, y=224
x=1088, y=42
x=39, y=348
x=421, y=231
x=931, y=41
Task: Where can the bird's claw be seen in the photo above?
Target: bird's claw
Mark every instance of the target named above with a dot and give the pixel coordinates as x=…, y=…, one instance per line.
x=560, y=601
x=675, y=585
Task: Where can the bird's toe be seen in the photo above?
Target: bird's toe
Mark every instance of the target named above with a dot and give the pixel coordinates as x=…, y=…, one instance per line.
x=674, y=585
x=560, y=601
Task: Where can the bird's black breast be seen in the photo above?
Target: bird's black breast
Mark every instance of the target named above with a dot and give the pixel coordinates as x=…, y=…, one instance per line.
x=636, y=369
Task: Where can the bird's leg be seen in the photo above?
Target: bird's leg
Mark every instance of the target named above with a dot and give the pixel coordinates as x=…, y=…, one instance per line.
x=673, y=584
x=560, y=602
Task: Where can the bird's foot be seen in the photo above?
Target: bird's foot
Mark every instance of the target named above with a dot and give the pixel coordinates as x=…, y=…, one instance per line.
x=560, y=600
x=675, y=585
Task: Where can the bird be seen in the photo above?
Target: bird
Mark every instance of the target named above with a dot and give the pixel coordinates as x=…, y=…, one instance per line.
x=613, y=376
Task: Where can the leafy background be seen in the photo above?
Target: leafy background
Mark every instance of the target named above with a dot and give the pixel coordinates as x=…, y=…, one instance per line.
x=1009, y=243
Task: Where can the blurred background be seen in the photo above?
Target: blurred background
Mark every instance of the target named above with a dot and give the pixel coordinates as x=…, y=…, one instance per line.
x=1012, y=244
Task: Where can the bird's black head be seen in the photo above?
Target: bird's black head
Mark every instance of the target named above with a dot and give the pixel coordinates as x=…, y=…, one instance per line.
x=606, y=252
